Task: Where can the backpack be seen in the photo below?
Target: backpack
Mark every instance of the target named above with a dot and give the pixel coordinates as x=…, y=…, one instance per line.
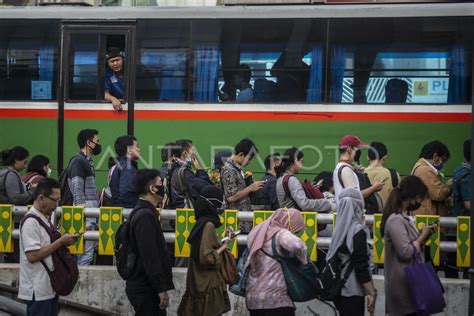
x=65, y=274
x=125, y=256
x=243, y=274
x=3, y=190
x=310, y=191
x=373, y=203
x=329, y=281
x=182, y=187
x=66, y=195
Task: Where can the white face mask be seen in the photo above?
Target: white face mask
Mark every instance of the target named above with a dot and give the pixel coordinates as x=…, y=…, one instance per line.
x=48, y=174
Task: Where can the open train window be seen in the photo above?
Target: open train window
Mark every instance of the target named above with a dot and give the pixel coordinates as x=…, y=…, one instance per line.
x=90, y=72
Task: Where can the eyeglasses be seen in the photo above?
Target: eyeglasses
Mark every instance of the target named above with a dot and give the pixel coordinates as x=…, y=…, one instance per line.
x=54, y=200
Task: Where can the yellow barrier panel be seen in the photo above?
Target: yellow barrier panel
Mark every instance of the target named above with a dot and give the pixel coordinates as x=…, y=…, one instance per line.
x=229, y=219
x=309, y=235
x=463, y=242
x=378, y=240
x=110, y=219
x=260, y=216
x=185, y=221
x=72, y=222
x=434, y=241
x=6, y=227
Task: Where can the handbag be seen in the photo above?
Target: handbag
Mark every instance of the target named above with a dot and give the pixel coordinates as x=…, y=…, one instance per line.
x=228, y=268
x=300, y=279
x=424, y=286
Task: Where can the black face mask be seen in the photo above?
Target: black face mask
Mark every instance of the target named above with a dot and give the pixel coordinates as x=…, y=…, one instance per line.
x=97, y=149
x=413, y=206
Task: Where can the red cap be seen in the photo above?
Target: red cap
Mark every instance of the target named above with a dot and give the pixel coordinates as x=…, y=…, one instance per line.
x=351, y=141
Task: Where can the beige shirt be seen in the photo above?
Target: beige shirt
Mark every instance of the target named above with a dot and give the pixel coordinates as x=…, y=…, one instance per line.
x=381, y=174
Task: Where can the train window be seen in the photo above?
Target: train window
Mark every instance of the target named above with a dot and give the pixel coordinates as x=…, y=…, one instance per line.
x=28, y=60
x=246, y=61
x=83, y=67
x=399, y=61
x=162, y=61
x=90, y=76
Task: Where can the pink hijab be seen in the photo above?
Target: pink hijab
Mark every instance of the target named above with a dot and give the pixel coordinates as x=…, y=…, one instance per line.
x=283, y=218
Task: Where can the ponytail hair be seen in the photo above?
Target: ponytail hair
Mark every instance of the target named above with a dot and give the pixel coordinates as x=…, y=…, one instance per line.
x=288, y=159
x=9, y=156
x=409, y=188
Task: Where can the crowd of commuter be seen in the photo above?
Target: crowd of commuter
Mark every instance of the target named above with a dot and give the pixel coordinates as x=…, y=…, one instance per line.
x=181, y=182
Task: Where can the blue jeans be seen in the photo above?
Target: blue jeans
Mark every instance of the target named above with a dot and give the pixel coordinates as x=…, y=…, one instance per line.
x=42, y=308
x=89, y=247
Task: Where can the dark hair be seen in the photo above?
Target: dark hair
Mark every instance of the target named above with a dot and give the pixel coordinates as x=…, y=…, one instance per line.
x=220, y=158
x=167, y=152
x=181, y=146
x=377, y=151
x=122, y=143
x=396, y=91
x=246, y=146
x=85, y=135
x=269, y=160
x=113, y=52
x=434, y=147
x=45, y=187
x=143, y=179
x=37, y=164
x=326, y=176
x=467, y=150
x=409, y=188
x=245, y=72
x=112, y=162
x=288, y=159
x=357, y=156
x=17, y=153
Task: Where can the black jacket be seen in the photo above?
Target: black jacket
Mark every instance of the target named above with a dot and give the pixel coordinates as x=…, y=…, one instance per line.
x=154, y=263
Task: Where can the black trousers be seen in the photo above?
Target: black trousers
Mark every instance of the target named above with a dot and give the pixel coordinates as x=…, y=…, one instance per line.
x=350, y=306
x=282, y=311
x=145, y=303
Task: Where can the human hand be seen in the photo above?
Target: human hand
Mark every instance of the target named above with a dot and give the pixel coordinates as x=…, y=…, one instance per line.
x=257, y=185
x=196, y=163
x=117, y=104
x=371, y=298
x=164, y=300
x=377, y=186
x=67, y=240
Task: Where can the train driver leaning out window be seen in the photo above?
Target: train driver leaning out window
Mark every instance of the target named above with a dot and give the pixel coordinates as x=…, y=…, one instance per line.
x=114, y=75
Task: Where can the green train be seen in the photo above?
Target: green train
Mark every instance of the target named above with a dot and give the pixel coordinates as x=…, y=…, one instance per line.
x=317, y=73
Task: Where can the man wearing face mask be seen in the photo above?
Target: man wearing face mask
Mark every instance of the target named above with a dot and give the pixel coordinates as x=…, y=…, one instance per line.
x=82, y=184
x=147, y=288
x=347, y=177
x=428, y=168
x=186, y=183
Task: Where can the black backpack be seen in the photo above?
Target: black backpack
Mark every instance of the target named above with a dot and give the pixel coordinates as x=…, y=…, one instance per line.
x=125, y=256
x=66, y=195
x=329, y=281
x=373, y=203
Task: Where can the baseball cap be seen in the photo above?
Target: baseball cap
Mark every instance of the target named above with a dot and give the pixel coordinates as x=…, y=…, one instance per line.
x=351, y=141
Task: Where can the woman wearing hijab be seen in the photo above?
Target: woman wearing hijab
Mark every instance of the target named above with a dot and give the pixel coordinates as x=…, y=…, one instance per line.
x=206, y=292
x=402, y=238
x=266, y=291
x=349, y=242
